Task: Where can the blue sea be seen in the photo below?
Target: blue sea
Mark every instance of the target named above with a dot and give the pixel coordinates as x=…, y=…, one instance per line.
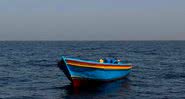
x=28, y=69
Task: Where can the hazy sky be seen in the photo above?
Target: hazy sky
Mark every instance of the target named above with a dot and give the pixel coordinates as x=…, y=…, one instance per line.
x=92, y=19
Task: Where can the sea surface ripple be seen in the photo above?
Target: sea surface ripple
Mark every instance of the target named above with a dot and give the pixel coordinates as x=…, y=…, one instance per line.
x=28, y=69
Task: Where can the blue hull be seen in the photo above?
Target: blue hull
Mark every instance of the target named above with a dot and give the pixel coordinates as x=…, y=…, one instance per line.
x=96, y=74
x=87, y=70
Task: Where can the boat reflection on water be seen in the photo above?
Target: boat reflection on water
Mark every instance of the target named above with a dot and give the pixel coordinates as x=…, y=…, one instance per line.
x=120, y=87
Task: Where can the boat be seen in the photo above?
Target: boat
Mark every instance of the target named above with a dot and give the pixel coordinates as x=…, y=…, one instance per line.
x=81, y=72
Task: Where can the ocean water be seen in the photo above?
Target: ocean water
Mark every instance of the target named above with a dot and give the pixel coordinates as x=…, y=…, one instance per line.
x=28, y=69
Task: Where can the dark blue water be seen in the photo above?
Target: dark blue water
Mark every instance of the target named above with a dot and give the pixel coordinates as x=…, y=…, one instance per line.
x=28, y=70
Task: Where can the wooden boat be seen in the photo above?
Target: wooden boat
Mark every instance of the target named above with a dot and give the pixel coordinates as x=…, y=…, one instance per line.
x=80, y=72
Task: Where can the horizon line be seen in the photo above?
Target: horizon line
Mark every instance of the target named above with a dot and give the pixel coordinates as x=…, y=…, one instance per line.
x=88, y=40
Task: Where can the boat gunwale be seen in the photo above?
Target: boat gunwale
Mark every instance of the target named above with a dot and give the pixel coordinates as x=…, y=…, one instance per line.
x=98, y=63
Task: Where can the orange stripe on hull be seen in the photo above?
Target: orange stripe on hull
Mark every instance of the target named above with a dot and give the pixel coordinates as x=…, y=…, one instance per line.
x=96, y=65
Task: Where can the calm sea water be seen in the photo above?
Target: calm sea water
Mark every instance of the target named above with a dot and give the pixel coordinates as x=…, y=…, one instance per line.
x=28, y=70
